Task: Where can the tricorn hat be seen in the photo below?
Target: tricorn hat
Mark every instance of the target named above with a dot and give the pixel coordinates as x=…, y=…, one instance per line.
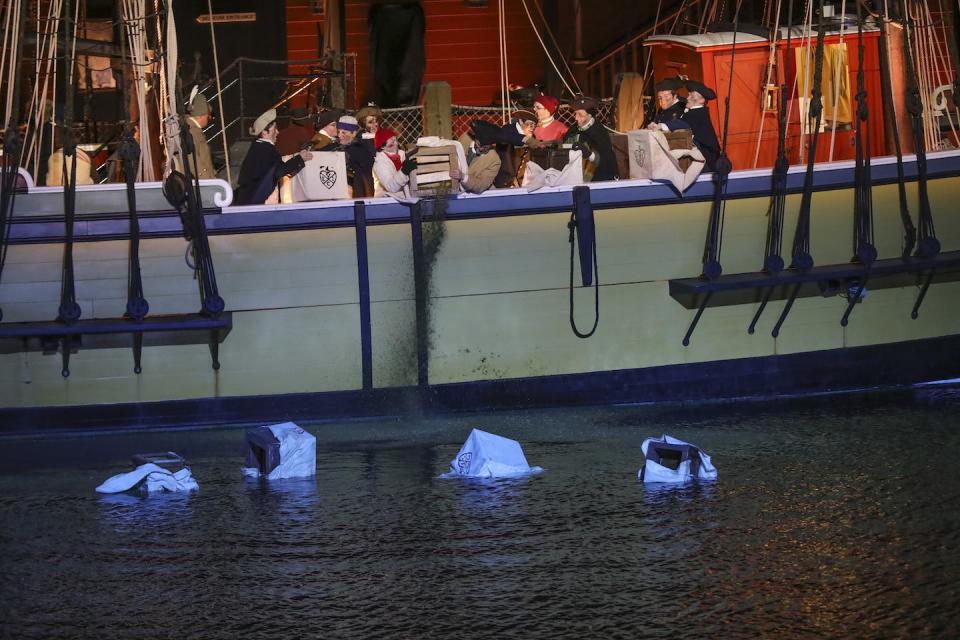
x=669, y=84
x=300, y=115
x=584, y=102
x=326, y=117
x=524, y=115
x=485, y=133
x=702, y=89
x=510, y=134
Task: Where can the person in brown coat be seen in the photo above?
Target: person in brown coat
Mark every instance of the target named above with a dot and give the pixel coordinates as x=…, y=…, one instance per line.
x=298, y=133
x=198, y=120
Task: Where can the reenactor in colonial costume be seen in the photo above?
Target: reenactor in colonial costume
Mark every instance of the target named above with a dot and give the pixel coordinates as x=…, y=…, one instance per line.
x=264, y=166
x=591, y=137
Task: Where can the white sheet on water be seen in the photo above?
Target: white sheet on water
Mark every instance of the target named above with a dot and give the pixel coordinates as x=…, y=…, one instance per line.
x=486, y=455
x=654, y=472
x=153, y=478
x=298, y=453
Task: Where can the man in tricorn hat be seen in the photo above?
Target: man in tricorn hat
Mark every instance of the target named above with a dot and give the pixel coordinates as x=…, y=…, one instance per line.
x=263, y=167
x=483, y=161
x=697, y=116
x=197, y=121
x=298, y=133
x=671, y=106
x=326, y=138
x=592, y=137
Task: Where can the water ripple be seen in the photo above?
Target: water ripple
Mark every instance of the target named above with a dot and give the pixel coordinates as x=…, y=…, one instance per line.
x=832, y=518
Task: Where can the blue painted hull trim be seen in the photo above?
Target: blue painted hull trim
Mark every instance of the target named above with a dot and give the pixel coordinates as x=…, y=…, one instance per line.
x=604, y=195
x=887, y=365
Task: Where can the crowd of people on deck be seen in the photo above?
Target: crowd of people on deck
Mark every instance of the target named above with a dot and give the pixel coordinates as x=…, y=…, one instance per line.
x=495, y=155
x=377, y=165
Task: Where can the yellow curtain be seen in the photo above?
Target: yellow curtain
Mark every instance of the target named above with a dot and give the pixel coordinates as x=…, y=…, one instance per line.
x=834, y=87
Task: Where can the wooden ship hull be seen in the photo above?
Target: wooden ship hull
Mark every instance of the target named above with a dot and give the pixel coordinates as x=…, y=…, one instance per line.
x=322, y=306
x=374, y=307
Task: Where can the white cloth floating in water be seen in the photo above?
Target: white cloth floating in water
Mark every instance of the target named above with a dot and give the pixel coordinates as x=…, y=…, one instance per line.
x=672, y=460
x=280, y=451
x=485, y=455
x=153, y=478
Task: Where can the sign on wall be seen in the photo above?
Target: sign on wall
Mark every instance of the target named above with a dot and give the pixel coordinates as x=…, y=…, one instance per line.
x=207, y=18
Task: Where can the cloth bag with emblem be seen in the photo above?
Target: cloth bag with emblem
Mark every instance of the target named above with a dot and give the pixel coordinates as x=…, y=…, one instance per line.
x=323, y=178
x=487, y=455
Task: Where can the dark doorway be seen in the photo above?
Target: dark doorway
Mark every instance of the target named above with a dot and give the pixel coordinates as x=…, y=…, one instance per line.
x=396, y=52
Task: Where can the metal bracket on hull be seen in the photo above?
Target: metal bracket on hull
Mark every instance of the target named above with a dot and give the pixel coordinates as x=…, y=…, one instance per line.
x=849, y=279
x=51, y=337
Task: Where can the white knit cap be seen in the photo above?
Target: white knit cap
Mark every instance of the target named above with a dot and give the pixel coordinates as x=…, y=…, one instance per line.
x=261, y=123
x=349, y=121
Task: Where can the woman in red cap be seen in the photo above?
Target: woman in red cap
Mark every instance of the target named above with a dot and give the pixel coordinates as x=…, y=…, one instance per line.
x=391, y=167
x=548, y=128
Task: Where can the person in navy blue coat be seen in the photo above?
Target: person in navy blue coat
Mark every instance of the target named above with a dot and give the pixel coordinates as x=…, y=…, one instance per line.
x=263, y=167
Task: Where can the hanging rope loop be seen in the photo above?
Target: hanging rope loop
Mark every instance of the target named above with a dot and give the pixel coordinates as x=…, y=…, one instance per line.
x=572, y=226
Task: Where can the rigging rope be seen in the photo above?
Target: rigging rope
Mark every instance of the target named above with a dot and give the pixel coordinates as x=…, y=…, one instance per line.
x=504, y=71
x=940, y=63
x=801, y=258
x=713, y=243
x=928, y=246
x=909, y=231
x=553, y=40
x=172, y=119
x=137, y=307
x=216, y=68
x=771, y=61
x=773, y=262
x=841, y=65
x=10, y=161
x=550, y=57
x=69, y=310
x=134, y=15
x=864, y=249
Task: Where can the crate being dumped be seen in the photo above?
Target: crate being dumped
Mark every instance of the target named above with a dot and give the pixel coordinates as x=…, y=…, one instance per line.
x=432, y=176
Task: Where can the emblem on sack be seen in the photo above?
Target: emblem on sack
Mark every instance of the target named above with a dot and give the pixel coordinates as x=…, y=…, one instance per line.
x=328, y=177
x=641, y=155
x=463, y=461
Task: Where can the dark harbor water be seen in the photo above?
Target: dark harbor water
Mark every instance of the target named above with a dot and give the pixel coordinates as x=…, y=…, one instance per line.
x=832, y=517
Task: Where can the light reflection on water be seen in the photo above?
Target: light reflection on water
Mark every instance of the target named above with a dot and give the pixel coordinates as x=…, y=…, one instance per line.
x=832, y=517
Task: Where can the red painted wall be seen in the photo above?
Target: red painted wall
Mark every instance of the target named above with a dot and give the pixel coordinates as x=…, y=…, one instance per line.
x=461, y=45
x=712, y=66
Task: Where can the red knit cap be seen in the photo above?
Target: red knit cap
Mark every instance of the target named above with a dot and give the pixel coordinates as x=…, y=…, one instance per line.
x=382, y=136
x=549, y=103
